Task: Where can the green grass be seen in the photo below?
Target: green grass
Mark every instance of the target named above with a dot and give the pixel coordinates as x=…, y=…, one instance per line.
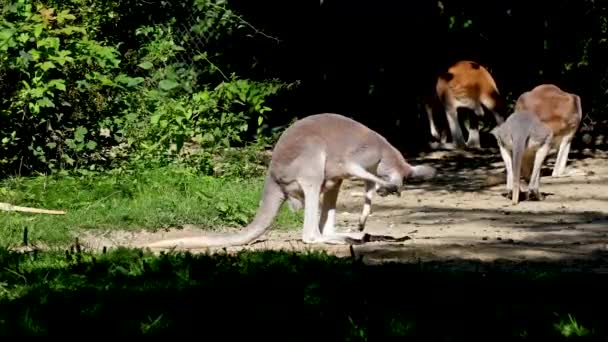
x=151, y=199
x=292, y=297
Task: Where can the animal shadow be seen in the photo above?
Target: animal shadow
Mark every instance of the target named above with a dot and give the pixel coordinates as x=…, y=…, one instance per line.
x=524, y=196
x=376, y=238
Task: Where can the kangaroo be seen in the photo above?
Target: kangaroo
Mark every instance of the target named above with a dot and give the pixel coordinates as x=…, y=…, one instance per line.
x=559, y=110
x=466, y=84
x=311, y=158
x=524, y=142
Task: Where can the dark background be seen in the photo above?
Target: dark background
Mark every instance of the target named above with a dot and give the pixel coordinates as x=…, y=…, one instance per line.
x=374, y=61
x=377, y=61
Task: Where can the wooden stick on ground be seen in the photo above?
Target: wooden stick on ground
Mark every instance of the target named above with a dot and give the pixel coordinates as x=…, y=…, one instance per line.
x=10, y=207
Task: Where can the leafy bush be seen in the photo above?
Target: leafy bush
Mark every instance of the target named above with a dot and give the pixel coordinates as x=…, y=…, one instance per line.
x=71, y=101
x=56, y=80
x=180, y=108
x=189, y=99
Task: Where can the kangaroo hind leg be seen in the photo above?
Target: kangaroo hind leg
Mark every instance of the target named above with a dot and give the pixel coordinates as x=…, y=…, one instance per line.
x=329, y=234
x=310, y=182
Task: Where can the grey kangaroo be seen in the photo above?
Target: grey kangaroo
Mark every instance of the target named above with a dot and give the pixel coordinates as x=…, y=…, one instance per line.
x=311, y=158
x=524, y=142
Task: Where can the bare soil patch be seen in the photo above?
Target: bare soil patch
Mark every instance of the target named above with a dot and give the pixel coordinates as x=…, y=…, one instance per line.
x=461, y=214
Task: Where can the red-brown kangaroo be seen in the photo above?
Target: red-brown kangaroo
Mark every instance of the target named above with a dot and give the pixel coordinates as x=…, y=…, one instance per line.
x=466, y=84
x=559, y=110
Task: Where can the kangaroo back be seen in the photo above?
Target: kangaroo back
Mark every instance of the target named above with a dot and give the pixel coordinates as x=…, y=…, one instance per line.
x=559, y=110
x=468, y=79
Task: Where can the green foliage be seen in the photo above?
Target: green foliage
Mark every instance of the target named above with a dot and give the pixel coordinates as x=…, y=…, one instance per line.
x=61, y=78
x=180, y=109
x=74, y=102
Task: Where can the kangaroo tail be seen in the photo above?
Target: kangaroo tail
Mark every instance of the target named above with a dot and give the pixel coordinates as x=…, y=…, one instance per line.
x=422, y=172
x=272, y=199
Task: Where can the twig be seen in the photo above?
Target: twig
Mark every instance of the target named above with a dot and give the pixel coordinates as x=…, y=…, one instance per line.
x=245, y=22
x=17, y=274
x=10, y=207
x=215, y=66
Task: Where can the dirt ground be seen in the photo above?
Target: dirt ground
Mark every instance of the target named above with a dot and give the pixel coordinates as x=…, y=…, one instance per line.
x=461, y=214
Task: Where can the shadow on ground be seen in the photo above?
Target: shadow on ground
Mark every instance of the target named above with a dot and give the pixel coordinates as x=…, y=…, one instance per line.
x=475, y=170
x=448, y=232
x=530, y=221
x=284, y=295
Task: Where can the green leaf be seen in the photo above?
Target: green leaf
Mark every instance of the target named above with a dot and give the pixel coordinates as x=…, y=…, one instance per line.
x=221, y=207
x=79, y=133
x=58, y=83
x=34, y=108
x=45, y=102
x=167, y=84
x=91, y=145
x=49, y=42
x=133, y=81
x=128, y=81
x=241, y=217
x=145, y=65
x=23, y=37
x=37, y=92
x=70, y=143
x=154, y=119
x=46, y=65
x=38, y=30
x=51, y=145
x=208, y=137
x=6, y=34
x=65, y=15
x=71, y=29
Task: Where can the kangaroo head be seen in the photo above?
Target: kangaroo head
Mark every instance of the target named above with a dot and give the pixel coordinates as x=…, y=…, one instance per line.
x=394, y=171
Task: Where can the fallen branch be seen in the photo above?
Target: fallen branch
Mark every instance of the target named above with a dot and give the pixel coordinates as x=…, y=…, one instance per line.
x=10, y=207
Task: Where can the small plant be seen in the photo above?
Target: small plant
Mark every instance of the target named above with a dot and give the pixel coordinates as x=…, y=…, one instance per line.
x=233, y=213
x=571, y=327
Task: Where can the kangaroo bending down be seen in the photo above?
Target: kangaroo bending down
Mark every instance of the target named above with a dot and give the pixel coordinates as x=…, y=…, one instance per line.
x=466, y=84
x=559, y=110
x=311, y=158
x=524, y=142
